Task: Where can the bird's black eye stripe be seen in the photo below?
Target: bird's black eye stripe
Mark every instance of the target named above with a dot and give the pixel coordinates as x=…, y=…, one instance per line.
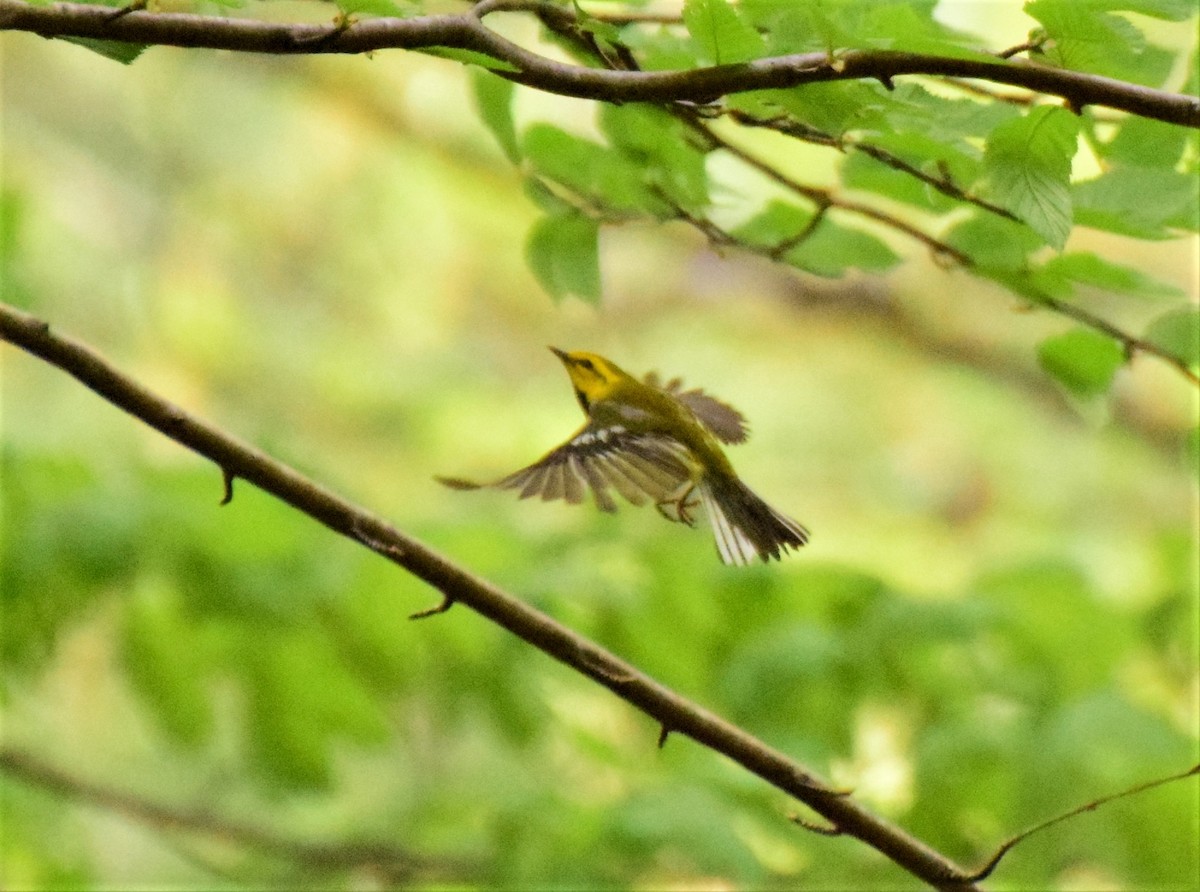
x=587, y=364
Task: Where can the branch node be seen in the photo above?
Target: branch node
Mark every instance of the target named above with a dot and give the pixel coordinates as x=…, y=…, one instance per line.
x=446, y=604
x=122, y=11
x=597, y=666
x=387, y=549
x=888, y=83
x=340, y=26
x=813, y=827
x=227, y=478
x=664, y=732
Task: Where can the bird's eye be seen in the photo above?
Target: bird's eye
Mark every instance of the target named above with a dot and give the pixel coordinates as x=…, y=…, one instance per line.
x=587, y=364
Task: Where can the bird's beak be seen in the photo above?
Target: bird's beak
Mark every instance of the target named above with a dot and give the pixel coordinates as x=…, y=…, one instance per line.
x=561, y=354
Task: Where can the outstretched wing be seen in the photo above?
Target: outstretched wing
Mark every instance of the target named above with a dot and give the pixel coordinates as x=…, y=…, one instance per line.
x=638, y=466
x=726, y=423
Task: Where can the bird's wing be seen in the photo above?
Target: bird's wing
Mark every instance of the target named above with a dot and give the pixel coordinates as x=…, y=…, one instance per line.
x=726, y=423
x=638, y=466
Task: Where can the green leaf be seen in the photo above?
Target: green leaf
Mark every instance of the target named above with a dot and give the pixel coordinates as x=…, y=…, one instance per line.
x=595, y=172
x=833, y=249
x=776, y=223
x=912, y=110
x=994, y=243
x=117, y=50
x=1148, y=143
x=381, y=8
x=563, y=253
x=468, y=57
x=1085, y=268
x=835, y=108
x=863, y=169
x=1082, y=360
x=1171, y=10
x=911, y=27
x=493, y=99
x=658, y=145
x=1178, y=333
x=1142, y=202
x=723, y=37
x=1027, y=165
x=1085, y=37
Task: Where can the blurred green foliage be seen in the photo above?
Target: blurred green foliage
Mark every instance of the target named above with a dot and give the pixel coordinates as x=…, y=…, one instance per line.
x=996, y=619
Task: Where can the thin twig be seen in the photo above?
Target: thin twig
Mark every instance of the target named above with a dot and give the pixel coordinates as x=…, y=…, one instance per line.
x=568, y=647
x=805, y=133
x=325, y=857
x=1008, y=845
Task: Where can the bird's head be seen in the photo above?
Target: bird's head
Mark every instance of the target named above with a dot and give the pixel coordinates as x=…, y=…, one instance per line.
x=593, y=377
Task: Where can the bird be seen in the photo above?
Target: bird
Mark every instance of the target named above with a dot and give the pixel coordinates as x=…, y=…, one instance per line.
x=654, y=441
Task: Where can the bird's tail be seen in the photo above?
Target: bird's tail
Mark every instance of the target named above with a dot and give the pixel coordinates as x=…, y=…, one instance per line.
x=745, y=526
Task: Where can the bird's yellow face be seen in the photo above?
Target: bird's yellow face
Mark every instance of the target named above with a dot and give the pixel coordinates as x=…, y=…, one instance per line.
x=592, y=376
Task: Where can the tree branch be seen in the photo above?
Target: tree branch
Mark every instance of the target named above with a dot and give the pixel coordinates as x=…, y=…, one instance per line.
x=397, y=864
x=466, y=31
x=666, y=707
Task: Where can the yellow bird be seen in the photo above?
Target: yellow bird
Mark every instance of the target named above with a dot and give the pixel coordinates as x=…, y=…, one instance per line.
x=654, y=441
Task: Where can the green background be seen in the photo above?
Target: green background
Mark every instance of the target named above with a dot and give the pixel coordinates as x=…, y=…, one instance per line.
x=995, y=620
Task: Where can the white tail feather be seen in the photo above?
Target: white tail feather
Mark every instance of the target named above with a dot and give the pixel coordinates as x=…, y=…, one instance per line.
x=735, y=544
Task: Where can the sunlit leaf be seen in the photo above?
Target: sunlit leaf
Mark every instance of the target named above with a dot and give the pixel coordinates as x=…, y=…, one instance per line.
x=1178, y=332
x=1082, y=360
x=493, y=99
x=1141, y=202
x=833, y=249
x=723, y=36
x=563, y=253
x=1086, y=268
x=1027, y=164
x=594, y=172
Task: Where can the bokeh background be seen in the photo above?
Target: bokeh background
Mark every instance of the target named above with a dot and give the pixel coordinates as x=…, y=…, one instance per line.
x=996, y=619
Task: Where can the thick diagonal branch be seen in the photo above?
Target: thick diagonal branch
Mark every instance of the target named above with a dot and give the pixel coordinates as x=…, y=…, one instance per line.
x=466, y=31
x=666, y=707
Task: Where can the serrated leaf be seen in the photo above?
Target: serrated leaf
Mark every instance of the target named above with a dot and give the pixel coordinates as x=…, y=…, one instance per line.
x=721, y=34
x=1082, y=360
x=911, y=27
x=1086, y=37
x=1178, y=333
x=1086, y=268
x=493, y=99
x=837, y=107
x=563, y=254
x=1027, y=168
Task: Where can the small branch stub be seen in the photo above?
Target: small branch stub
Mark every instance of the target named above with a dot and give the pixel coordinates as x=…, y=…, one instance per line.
x=446, y=603
x=227, y=478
